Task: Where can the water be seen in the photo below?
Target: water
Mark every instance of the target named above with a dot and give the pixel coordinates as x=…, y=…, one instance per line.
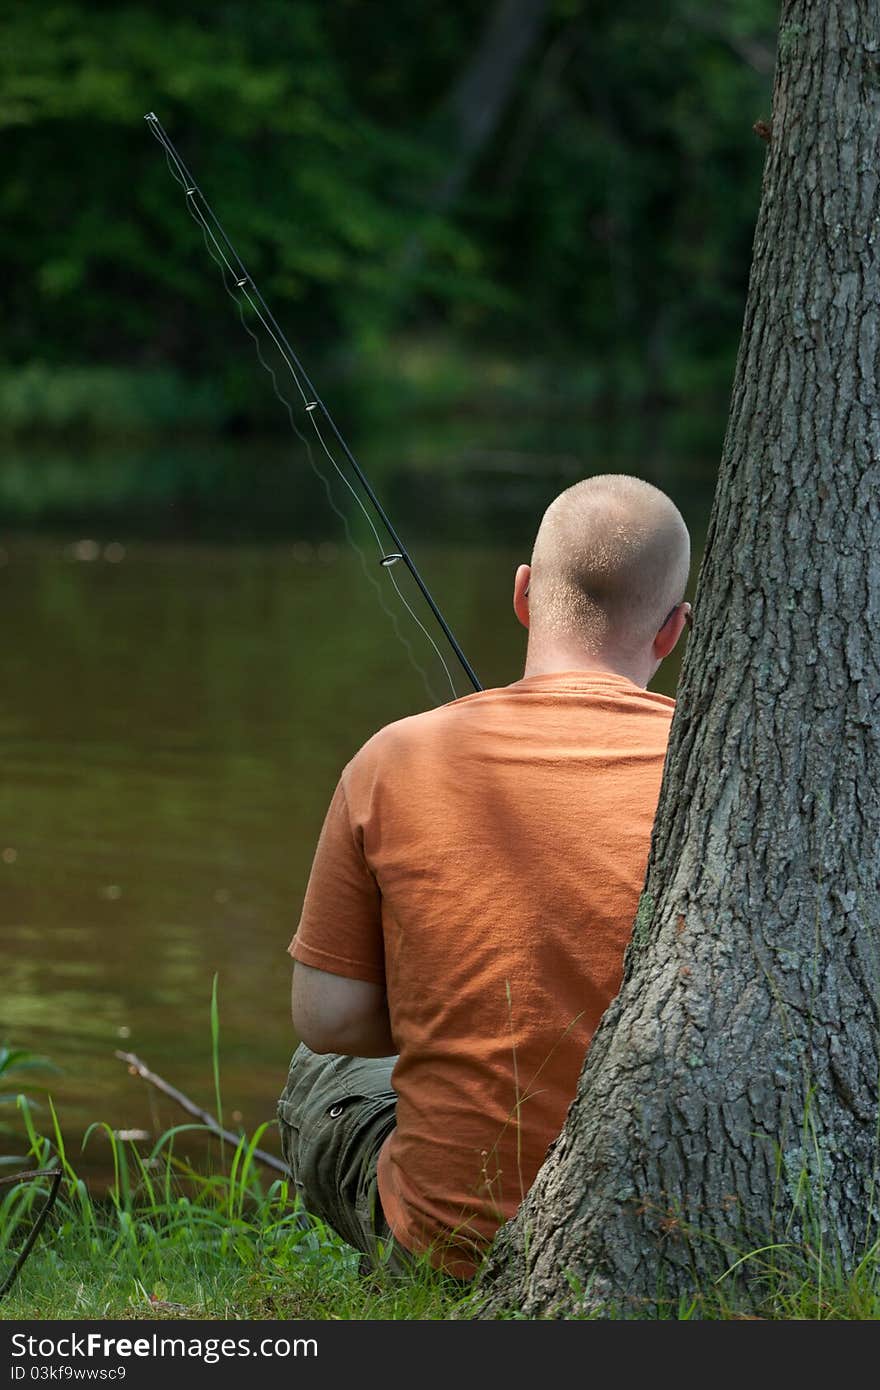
x=174, y=717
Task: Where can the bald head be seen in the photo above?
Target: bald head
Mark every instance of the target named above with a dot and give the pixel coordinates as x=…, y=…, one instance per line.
x=610, y=561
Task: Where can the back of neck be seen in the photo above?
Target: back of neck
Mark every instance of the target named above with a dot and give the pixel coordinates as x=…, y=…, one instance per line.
x=565, y=657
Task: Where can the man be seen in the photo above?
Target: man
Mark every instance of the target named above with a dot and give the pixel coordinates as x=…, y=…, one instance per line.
x=472, y=895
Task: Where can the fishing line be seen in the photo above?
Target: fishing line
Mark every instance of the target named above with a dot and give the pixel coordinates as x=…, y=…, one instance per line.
x=216, y=252
x=225, y=256
x=223, y=265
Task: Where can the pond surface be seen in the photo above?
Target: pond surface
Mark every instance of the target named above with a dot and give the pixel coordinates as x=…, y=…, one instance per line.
x=174, y=717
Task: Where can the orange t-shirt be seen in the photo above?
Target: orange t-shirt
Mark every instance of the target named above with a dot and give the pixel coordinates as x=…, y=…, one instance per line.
x=484, y=862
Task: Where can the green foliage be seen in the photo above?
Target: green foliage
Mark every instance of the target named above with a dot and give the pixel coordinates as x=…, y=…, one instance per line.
x=14, y=1061
x=107, y=261
x=608, y=219
x=18, y=1067
x=105, y=401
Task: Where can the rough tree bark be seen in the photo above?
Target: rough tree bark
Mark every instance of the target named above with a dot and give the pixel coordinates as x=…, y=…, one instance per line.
x=730, y=1097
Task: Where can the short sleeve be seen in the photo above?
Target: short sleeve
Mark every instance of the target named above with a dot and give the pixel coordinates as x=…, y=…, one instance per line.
x=340, y=929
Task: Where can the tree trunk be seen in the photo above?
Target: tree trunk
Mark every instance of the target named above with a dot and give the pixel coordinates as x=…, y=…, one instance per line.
x=482, y=92
x=472, y=113
x=730, y=1098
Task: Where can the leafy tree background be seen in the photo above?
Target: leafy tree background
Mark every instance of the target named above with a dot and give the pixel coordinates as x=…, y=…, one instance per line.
x=596, y=255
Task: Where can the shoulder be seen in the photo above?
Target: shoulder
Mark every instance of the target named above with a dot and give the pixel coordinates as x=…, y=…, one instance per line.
x=416, y=732
x=652, y=701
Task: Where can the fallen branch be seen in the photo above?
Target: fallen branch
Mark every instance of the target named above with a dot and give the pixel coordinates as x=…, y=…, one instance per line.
x=139, y=1068
x=55, y=1174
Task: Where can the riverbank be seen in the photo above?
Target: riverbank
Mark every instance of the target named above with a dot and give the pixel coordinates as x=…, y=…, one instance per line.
x=411, y=377
x=227, y=1242
x=191, y=1226
x=152, y=451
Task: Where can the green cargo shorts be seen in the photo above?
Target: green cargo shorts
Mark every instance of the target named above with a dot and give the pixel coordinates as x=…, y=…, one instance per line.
x=334, y=1115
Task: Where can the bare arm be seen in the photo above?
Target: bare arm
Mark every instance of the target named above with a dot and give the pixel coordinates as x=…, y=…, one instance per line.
x=332, y=1013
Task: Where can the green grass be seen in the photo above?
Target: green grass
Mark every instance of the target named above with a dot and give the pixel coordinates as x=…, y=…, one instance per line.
x=168, y=1241
x=230, y=1242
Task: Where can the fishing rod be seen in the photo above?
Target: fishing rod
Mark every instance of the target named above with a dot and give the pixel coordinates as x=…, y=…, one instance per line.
x=231, y=261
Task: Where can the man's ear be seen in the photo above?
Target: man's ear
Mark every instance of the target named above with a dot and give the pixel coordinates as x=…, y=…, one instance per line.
x=521, y=594
x=671, y=630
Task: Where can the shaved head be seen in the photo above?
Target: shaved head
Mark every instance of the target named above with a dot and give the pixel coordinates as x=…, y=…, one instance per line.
x=611, y=559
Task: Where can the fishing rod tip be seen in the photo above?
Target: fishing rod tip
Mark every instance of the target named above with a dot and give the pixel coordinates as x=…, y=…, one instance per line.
x=151, y=116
